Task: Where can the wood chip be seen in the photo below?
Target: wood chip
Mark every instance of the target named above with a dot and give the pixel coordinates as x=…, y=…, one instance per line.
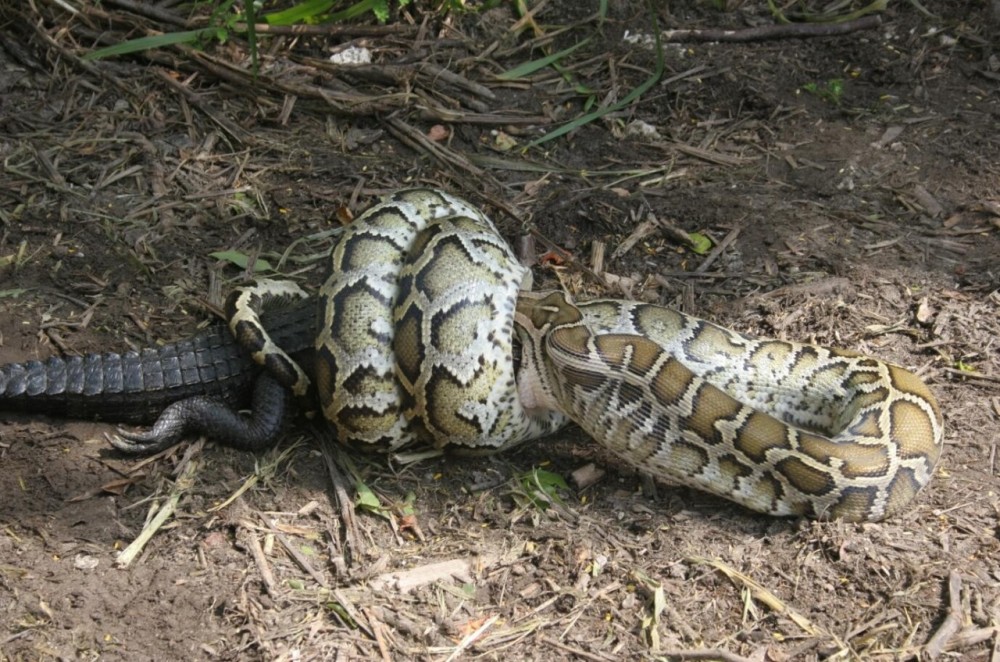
x=927, y=201
x=407, y=580
x=587, y=475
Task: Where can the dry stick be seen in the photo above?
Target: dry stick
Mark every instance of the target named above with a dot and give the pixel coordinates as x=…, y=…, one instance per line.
x=972, y=636
x=354, y=105
x=717, y=158
x=21, y=55
x=151, y=11
x=401, y=74
x=349, y=523
x=717, y=251
x=765, y=32
x=362, y=620
x=952, y=622
x=330, y=30
x=459, y=81
x=418, y=141
x=349, y=104
x=157, y=184
x=181, y=485
x=96, y=72
x=437, y=113
x=578, y=652
x=703, y=654
x=972, y=375
x=471, y=638
x=248, y=536
x=297, y=556
x=377, y=626
x=235, y=131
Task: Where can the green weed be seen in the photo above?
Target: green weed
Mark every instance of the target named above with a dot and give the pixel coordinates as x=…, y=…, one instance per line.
x=831, y=91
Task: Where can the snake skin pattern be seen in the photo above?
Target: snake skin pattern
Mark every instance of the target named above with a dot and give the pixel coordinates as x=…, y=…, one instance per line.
x=416, y=344
x=415, y=340
x=782, y=428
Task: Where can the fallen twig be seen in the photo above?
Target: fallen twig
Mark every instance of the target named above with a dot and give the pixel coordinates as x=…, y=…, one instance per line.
x=970, y=374
x=471, y=638
x=704, y=654
x=249, y=538
x=717, y=251
x=419, y=142
x=765, y=32
x=762, y=594
x=349, y=526
x=181, y=485
x=952, y=621
x=331, y=30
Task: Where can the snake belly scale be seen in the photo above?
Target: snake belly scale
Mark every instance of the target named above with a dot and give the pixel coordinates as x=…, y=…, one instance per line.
x=415, y=344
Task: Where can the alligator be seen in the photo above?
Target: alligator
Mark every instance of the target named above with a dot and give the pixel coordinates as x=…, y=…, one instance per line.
x=192, y=386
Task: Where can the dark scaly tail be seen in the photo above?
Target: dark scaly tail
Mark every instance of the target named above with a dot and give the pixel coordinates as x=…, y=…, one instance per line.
x=133, y=387
x=187, y=386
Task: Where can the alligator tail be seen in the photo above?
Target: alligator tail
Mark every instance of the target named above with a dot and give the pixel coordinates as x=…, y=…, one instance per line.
x=132, y=387
x=136, y=387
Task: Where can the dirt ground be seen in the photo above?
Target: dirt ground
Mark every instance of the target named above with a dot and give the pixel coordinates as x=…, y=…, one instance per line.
x=863, y=214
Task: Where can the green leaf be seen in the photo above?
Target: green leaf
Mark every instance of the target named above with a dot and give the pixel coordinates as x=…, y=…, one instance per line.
x=241, y=260
x=700, y=243
x=368, y=500
x=381, y=10
x=13, y=294
x=542, y=487
x=407, y=508
x=550, y=482
x=156, y=41
x=339, y=610
x=356, y=10
x=832, y=90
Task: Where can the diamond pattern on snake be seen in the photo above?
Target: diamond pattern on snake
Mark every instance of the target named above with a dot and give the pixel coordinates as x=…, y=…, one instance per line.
x=413, y=339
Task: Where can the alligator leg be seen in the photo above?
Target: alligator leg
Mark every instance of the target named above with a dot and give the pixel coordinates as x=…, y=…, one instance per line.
x=213, y=418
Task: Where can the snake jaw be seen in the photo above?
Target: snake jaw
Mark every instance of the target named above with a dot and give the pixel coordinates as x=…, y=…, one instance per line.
x=532, y=322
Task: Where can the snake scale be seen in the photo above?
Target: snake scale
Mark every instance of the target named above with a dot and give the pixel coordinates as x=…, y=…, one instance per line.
x=426, y=331
x=416, y=343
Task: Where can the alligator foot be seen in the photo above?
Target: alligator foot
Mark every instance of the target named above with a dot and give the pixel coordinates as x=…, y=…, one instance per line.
x=214, y=419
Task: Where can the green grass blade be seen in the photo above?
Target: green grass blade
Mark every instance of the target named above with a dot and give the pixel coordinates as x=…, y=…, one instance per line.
x=251, y=21
x=312, y=10
x=633, y=95
x=299, y=13
x=156, y=41
x=355, y=10
x=529, y=68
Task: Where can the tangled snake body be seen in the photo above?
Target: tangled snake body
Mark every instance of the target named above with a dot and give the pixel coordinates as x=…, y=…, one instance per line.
x=416, y=343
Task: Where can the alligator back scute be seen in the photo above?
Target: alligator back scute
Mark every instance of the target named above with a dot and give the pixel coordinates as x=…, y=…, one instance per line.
x=134, y=387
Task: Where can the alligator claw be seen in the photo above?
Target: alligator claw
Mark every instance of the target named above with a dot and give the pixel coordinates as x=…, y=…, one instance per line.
x=214, y=419
x=139, y=443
